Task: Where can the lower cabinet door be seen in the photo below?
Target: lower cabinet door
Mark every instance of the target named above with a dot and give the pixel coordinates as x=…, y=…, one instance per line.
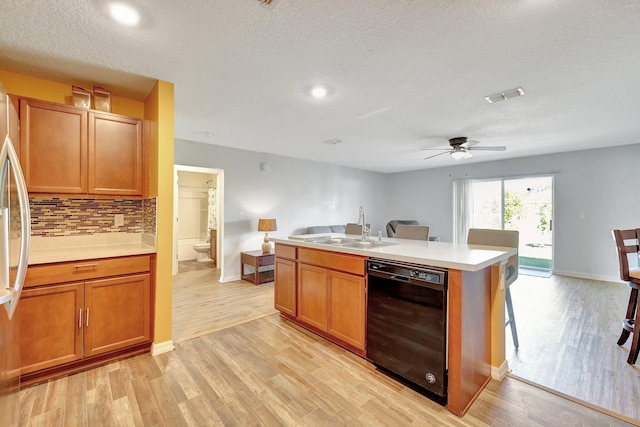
x=285, y=286
x=347, y=308
x=50, y=321
x=117, y=313
x=312, y=296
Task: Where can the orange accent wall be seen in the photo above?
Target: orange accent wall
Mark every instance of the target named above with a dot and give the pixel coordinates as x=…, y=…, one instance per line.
x=46, y=90
x=159, y=115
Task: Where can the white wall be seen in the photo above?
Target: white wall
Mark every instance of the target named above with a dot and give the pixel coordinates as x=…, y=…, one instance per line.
x=600, y=183
x=298, y=193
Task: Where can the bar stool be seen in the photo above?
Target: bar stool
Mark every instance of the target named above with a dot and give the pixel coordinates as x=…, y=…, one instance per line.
x=627, y=243
x=507, y=239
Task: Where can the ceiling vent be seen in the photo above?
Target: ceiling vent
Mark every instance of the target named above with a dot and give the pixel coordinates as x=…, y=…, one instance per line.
x=508, y=94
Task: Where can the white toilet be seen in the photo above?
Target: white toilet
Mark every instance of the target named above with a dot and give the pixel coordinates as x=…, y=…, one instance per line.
x=203, y=251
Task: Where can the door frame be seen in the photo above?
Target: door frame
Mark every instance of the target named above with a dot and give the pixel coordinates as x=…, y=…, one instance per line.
x=502, y=180
x=220, y=226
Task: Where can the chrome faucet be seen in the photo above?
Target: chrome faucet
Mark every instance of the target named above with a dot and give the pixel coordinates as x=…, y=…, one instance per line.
x=363, y=220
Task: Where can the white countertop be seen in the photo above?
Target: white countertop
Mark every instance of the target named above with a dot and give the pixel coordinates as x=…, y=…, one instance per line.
x=437, y=254
x=44, y=250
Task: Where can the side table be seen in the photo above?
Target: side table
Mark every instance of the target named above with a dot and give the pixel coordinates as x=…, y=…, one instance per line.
x=257, y=259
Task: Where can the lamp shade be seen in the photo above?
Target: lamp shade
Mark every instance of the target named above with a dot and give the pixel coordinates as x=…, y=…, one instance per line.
x=267, y=224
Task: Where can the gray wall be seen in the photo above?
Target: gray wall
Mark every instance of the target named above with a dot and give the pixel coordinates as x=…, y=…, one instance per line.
x=601, y=183
x=298, y=193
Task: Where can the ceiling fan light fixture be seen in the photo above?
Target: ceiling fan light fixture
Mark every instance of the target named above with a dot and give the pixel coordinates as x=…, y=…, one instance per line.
x=502, y=96
x=459, y=153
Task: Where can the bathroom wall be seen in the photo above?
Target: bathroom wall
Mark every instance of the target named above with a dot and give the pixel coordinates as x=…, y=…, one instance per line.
x=192, y=211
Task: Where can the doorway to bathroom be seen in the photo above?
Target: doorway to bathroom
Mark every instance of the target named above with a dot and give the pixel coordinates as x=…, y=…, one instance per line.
x=198, y=211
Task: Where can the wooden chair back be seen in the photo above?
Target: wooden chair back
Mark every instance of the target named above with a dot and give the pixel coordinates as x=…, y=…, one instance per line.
x=626, y=243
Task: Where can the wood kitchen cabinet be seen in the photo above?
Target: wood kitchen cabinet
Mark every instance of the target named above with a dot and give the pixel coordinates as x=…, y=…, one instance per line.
x=313, y=296
x=347, y=306
x=71, y=150
x=116, y=313
x=68, y=326
x=115, y=155
x=285, y=279
x=49, y=331
x=327, y=293
x=334, y=302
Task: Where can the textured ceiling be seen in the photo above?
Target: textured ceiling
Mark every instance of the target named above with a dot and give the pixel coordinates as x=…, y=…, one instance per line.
x=402, y=74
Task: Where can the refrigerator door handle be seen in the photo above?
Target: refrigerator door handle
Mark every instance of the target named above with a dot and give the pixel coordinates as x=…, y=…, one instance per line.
x=9, y=157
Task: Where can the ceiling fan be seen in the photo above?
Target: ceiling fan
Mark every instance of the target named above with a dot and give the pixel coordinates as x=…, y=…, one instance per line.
x=461, y=147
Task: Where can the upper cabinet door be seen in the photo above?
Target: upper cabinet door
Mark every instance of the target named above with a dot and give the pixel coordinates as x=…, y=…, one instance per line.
x=115, y=155
x=53, y=147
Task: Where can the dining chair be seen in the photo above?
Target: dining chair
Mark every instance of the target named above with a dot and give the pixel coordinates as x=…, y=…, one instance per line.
x=628, y=243
x=507, y=239
x=352, y=228
x=394, y=223
x=413, y=232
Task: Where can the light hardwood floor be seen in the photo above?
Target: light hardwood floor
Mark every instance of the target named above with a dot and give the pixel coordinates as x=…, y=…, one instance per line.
x=269, y=372
x=568, y=330
x=202, y=305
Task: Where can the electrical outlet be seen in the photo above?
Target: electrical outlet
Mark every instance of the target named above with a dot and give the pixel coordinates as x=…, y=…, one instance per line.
x=118, y=220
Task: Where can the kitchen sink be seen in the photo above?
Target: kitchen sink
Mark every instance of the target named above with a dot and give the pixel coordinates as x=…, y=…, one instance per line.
x=368, y=244
x=333, y=241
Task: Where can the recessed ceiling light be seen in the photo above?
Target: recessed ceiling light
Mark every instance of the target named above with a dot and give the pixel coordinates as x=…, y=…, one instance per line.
x=124, y=13
x=319, y=91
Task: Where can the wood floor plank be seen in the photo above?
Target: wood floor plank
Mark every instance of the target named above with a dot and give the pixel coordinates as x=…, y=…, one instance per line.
x=75, y=411
x=145, y=402
x=169, y=410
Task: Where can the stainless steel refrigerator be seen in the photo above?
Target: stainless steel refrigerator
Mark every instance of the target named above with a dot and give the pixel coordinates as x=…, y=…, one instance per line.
x=15, y=234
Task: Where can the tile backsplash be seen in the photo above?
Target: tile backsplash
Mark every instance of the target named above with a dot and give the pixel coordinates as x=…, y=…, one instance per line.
x=59, y=216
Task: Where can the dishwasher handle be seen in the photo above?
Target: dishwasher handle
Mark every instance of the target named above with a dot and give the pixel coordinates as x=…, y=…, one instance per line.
x=408, y=280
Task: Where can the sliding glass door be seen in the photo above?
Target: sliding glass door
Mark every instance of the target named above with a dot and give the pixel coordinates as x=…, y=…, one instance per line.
x=524, y=204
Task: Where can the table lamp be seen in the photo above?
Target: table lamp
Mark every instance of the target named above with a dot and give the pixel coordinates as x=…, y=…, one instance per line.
x=267, y=225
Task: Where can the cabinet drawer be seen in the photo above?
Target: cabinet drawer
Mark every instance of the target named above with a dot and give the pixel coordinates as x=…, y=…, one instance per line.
x=87, y=269
x=335, y=261
x=285, y=251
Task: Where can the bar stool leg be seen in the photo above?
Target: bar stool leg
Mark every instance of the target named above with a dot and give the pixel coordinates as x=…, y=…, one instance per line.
x=511, y=321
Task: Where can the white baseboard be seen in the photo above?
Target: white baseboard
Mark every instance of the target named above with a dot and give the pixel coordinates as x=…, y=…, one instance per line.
x=498, y=373
x=581, y=275
x=229, y=278
x=162, y=347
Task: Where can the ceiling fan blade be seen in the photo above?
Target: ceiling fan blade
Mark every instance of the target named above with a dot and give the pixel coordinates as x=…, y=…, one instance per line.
x=485, y=148
x=439, y=149
x=470, y=143
x=436, y=155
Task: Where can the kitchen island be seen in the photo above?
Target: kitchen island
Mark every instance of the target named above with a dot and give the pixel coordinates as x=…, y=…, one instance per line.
x=321, y=284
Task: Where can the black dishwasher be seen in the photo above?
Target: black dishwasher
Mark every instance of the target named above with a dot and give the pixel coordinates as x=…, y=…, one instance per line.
x=407, y=324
